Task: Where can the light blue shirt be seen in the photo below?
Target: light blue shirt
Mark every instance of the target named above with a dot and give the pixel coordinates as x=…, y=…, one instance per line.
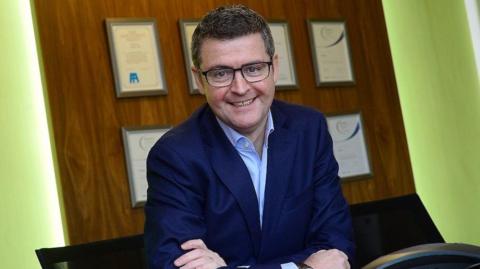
x=256, y=165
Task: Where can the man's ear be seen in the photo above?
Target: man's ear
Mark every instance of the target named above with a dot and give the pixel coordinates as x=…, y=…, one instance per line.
x=276, y=67
x=198, y=80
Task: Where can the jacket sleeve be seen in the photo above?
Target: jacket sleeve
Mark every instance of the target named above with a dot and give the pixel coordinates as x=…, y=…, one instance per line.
x=330, y=226
x=173, y=211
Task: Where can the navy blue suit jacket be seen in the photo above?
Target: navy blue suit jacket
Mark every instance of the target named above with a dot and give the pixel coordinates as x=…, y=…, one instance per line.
x=199, y=187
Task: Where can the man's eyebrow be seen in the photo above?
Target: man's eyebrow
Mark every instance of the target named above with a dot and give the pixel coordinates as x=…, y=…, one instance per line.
x=215, y=67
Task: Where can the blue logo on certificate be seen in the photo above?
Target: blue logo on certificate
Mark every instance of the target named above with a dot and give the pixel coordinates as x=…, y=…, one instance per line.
x=134, y=78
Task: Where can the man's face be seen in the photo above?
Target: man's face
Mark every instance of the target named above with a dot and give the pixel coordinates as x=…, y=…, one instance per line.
x=242, y=105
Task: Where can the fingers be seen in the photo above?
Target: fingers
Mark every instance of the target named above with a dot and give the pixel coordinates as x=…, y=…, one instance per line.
x=337, y=253
x=199, y=256
x=339, y=258
x=202, y=262
x=332, y=258
x=194, y=243
x=190, y=256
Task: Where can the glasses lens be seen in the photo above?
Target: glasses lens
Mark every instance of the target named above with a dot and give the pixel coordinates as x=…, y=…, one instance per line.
x=220, y=77
x=224, y=76
x=255, y=72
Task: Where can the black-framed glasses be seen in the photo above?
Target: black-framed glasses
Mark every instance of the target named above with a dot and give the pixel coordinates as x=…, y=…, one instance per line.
x=224, y=76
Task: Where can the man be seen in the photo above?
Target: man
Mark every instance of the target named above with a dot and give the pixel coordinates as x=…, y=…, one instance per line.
x=246, y=181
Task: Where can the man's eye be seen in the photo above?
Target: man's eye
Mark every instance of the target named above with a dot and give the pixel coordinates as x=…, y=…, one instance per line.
x=252, y=69
x=218, y=73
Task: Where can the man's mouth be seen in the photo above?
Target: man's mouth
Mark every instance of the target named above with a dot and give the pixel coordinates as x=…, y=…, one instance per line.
x=243, y=103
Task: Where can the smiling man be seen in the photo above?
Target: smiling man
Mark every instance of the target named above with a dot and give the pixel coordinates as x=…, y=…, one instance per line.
x=246, y=181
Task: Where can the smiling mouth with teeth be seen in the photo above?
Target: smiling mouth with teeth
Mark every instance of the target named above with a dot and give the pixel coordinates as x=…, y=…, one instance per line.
x=244, y=103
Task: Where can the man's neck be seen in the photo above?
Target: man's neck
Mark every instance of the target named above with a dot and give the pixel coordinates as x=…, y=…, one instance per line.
x=258, y=136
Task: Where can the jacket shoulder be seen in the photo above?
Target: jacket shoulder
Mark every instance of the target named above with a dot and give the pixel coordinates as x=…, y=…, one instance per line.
x=186, y=136
x=295, y=115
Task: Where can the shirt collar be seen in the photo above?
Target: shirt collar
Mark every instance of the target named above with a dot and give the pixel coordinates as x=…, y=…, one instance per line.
x=234, y=136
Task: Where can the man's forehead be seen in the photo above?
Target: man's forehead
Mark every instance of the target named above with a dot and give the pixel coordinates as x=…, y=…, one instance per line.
x=212, y=45
x=256, y=35
x=229, y=54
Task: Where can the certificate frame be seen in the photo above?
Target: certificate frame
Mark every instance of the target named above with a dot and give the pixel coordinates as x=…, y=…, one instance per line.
x=283, y=47
x=331, y=54
x=349, y=145
x=136, y=57
x=187, y=26
x=137, y=142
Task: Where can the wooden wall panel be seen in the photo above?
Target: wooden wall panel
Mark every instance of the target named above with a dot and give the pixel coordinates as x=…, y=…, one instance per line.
x=87, y=116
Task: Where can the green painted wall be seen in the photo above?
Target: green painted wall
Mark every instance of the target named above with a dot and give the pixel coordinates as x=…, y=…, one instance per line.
x=29, y=207
x=439, y=92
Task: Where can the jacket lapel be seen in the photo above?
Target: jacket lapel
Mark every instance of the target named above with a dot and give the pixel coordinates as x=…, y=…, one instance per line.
x=281, y=151
x=233, y=173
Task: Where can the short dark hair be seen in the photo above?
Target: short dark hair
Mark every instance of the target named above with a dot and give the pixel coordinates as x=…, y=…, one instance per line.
x=228, y=22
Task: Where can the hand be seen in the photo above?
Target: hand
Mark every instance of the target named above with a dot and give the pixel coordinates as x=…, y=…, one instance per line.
x=328, y=259
x=199, y=256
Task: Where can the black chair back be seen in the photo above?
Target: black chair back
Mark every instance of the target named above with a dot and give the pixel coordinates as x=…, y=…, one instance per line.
x=384, y=226
x=118, y=253
x=435, y=256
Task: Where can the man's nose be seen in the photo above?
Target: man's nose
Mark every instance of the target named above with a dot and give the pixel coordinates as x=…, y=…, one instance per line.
x=239, y=84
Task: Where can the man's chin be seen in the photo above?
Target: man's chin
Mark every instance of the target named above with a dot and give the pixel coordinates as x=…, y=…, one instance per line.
x=244, y=126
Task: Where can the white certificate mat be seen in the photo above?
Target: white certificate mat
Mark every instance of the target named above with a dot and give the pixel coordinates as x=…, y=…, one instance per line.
x=136, y=58
x=137, y=143
x=187, y=27
x=349, y=145
x=281, y=36
x=331, y=53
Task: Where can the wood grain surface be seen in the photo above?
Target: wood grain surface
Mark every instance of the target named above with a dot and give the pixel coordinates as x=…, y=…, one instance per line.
x=87, y=117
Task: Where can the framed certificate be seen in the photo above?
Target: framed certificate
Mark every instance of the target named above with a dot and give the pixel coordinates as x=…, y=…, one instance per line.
x=187, y=27
x=349, y=146
x=331, y=53
x=287, y=78
x=137, y=142
x=136, y=57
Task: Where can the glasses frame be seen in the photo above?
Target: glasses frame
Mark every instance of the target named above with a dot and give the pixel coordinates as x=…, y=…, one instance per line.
x=269, y=63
